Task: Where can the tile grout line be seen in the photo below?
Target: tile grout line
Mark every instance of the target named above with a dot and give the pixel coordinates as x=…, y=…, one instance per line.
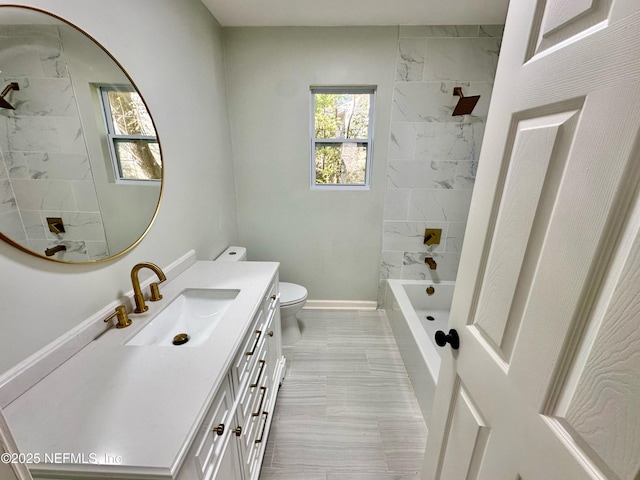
x=371, y=327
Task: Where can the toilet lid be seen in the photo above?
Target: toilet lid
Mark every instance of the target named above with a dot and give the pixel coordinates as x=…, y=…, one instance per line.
x=291, y=293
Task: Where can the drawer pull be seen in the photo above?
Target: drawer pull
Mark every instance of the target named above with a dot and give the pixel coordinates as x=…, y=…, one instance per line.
x=219, y=429
x=264, y=394
x=270, y=333
x=262, y=363
x=264, y=426
x=253, y=350
x=274, y=300
x=237, y=431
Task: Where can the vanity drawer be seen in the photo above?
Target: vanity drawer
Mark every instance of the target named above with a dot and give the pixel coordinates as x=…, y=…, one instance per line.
x=253, y=458
x=254, y=399
x=253, y=440
x=253, y=445
x=271, y=297
x=247, y=357
x=247, y=396
x=218, y=421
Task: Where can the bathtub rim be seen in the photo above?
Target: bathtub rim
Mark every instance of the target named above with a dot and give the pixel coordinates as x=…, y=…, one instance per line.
x=426, y=345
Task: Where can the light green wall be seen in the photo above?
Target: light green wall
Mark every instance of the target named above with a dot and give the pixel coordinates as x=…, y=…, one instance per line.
x=173, y=51
x=328, y=241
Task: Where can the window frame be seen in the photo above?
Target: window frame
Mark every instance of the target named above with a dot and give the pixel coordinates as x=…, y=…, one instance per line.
x=113, y=138
x=363, y=89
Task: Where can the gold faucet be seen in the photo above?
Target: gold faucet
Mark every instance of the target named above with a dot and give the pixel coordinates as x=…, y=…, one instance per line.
x=53, y=250
x=155, y=289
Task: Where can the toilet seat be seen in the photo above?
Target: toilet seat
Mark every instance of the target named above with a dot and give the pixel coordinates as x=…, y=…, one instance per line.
x=291, y=293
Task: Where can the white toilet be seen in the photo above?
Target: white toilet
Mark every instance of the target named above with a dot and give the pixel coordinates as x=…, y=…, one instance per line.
x=292, y=298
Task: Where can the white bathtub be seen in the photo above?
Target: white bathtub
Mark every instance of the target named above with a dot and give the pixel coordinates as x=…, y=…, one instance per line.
x=407, y=305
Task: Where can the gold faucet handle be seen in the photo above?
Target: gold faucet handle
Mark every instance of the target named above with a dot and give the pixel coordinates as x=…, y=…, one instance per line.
x=121, y=314
x=123, y=318
x=432, y=236
x=155, y=292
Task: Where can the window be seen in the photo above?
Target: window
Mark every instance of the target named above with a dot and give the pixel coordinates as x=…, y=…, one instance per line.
x=133, y=144
x=342, y=128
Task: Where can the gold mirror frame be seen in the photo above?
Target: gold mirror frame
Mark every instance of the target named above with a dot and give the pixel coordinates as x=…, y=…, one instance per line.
x=15, y=243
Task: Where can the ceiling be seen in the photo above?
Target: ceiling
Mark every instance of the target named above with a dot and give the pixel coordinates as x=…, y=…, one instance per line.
x=314, y=13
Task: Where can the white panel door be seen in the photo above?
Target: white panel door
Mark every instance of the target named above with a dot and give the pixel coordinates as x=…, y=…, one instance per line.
x=546, y=382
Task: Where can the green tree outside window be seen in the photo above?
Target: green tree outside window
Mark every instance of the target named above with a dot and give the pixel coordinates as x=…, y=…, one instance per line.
x=342, y=137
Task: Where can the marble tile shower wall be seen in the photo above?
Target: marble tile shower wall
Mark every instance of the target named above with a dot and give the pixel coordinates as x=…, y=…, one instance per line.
x=44, y=165
x=433, y=156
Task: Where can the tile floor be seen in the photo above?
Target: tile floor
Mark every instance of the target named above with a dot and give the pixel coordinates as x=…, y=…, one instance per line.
x=346, y=409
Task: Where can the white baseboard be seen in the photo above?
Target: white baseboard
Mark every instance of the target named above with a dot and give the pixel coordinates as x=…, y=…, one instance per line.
x=340, y=305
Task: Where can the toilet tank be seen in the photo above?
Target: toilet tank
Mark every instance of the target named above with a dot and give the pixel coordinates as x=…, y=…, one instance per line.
x=233, y=254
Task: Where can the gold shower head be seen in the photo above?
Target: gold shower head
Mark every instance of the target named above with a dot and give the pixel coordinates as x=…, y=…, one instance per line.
x=7, y=89
x=466, y=104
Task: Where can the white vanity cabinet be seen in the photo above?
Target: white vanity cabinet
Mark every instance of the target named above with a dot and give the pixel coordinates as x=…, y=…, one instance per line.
x=256, y=385
x=199, y=411
x=231, y=440
x=213, y=450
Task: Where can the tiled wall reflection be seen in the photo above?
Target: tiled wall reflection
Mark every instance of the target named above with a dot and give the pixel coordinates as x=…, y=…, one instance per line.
x=44, y=165
x=433, y=156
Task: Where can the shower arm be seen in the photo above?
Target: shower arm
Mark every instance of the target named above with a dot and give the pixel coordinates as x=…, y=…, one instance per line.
x=457, y=91
x=8, y=88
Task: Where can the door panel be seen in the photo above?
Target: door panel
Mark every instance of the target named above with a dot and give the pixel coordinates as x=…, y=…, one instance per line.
x=599, y=390
x=546, y=383
x=578, y=240
x=564, y=19
x=468, y=436
x=536, y=161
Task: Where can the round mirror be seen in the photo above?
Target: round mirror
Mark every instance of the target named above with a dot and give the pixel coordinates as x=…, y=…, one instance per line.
x=80, y=161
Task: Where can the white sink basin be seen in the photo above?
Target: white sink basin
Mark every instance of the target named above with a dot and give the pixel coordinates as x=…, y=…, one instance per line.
x=196, y=312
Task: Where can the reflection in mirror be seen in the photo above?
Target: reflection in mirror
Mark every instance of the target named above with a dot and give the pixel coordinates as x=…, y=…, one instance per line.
x=134, y=147
x=80, y=162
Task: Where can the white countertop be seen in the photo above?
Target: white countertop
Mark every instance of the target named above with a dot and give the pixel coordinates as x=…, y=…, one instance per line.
x=137, y=408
